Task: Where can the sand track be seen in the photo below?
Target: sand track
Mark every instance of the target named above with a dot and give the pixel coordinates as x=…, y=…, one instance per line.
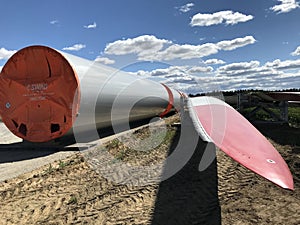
x=247, y=198
x=69, y=191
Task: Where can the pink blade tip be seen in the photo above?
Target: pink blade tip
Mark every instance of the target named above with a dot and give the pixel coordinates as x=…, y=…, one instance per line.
x=237, y=137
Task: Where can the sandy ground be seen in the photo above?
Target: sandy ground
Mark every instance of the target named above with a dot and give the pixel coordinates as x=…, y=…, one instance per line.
x=73, y=190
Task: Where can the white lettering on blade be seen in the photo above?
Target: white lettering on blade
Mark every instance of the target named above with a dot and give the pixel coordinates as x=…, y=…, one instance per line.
x=37, y=87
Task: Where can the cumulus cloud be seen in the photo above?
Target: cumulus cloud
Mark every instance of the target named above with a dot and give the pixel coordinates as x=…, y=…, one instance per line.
x=214, y=62
x=284, y=65
x=6, y=54
x=288, y=80
x=177, y=74
x=272, y=75
x=183, y=80
x=91, y=26
x=246, y=69
x=296, y=52
x=54, y=22
x=142, y=45
x=240, y=66
x=104, y=60
x=178, y=71
x=170, y=72
x=228, y=17
x=285, y=6
x=187, y=51
x=197, y=51
x=75, y=47
x=186, y=8
x=240, y=69
x=1, y=68
x=189, y=79
x=228, y=45
x=235, y=76
x=201, y=69
x=150, y=48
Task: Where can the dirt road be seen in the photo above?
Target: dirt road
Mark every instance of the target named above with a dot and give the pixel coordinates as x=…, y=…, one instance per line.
x=71, y=191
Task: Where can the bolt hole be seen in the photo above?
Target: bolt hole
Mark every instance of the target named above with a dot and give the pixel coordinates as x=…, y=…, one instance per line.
x=54, y=127
x=23, y=129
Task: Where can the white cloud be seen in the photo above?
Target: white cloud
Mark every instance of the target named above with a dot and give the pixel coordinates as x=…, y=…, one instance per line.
x=228, y=45
x=201, y=69
x=6, y=54
x=53, y=22
x=177, y=71
x=187, y=51
x=185, y=78
x=285, y=6
x=75, y=47
x=239, y=66
x=187, y=7
x=284, y=65
x=235, y=76
x=296, y=52
x=214, y=61
x=241, y=69
x=228, y=17
x=1, y=68
x=142, y=45
x=104, y=60
x=91, y=26
x=150, y=48
x=170, y=72
x=272, y=75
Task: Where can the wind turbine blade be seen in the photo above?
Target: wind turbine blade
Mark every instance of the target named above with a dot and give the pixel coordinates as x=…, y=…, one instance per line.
x=237, y=137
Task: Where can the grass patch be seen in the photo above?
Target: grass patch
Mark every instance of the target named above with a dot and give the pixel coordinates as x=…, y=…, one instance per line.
x=293, y=115
x=61, y=164
x=49, y=169
x=115, y=143
x=73, y=200
x=121, y=154
x=144, y=146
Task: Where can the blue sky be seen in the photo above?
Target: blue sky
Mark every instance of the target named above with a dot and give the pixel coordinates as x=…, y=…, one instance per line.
x=193, y=46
